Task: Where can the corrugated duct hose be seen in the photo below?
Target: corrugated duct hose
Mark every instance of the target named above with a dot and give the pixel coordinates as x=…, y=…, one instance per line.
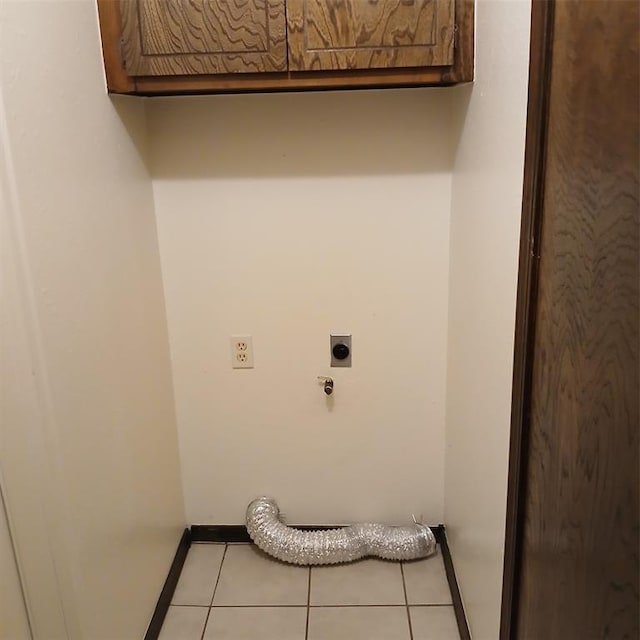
x=333, y=546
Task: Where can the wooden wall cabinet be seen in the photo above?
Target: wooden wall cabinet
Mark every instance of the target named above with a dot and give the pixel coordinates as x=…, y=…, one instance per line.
x=161, y=47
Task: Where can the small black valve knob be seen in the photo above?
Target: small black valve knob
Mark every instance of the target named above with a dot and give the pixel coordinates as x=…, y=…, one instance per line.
x=340, y=351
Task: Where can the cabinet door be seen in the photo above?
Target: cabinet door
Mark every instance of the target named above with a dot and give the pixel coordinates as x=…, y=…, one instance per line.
x=369, y=34
x=194, y=37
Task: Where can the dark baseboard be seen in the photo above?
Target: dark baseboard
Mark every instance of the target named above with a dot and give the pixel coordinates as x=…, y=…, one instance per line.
x=219, y=533
x=458, y=609
x=438, y=532
x=238, y=532
x=153, y=631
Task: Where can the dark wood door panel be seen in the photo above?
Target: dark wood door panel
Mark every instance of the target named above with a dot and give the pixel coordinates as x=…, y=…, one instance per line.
x=169, y=27
x=184, y=37
x=357, y=34
x=579, y=564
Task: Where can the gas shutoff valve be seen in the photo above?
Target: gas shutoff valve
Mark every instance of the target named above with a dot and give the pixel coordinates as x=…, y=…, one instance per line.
x=327, y=383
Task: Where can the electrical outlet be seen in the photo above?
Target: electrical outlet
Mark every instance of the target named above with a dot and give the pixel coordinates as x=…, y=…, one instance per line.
x=241, y=352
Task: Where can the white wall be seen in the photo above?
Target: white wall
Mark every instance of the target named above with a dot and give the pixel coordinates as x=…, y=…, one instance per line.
x=24, y=474
x=289, y=217
x=14, y=624
x=485, y=224
x=88, y=437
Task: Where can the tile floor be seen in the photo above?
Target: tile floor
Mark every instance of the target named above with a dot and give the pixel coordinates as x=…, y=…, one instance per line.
x=235, y=592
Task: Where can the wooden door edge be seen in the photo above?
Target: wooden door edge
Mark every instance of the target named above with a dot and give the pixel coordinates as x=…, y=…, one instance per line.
x=109, y=18
x=464, y=42
x=542, y=13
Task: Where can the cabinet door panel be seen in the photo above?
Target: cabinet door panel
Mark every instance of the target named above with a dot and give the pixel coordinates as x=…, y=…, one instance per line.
x=191, y=37
x=369, y=34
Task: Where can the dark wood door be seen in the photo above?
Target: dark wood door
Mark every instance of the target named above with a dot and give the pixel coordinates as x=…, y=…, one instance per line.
x=571, y=569
x=383, y=34
x=194, y=37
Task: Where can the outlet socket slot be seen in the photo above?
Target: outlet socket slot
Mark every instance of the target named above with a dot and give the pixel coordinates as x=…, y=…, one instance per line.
x=241, y=352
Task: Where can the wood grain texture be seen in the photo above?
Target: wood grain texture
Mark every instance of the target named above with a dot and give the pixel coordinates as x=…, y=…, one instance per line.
x=275, y=82
x=532, y=193
x=579, y=572
x=463, y=68
x=170, y=27
x=354, y=34
x=120, y=81
x=184, y=37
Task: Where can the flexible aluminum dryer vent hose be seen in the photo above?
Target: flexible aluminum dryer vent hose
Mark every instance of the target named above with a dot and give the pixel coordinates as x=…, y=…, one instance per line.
x=334, y=545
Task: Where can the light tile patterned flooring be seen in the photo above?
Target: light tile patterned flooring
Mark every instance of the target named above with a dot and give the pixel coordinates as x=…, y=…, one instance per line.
x=235, y=592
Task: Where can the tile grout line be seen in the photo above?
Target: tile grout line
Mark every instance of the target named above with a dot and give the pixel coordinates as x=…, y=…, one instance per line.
x=306, y=629
x=406, y=601
x=213, y=595
x=244, y=606
x=368, y=606
x=215, y=588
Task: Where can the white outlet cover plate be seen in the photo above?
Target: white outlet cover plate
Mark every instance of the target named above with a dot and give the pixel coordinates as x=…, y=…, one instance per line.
x=241, y=352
